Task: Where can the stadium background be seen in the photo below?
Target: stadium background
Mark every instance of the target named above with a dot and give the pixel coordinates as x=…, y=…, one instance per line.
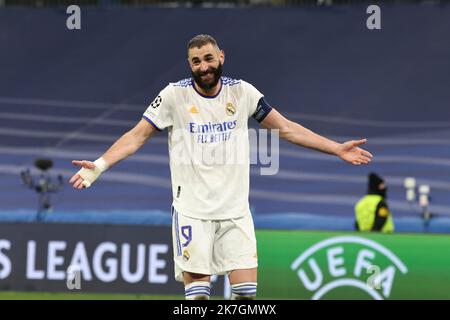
x=69, y=94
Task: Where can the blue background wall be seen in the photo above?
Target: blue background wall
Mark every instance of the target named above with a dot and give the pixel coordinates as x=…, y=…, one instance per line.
x=70, y=94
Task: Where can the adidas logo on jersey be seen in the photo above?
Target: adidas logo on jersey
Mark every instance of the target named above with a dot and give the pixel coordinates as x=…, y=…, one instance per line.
x=193, y=109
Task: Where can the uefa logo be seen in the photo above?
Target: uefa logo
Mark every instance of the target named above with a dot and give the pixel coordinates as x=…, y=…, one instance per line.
x=347, y=265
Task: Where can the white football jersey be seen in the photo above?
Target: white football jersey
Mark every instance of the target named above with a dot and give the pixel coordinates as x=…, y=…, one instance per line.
x=208, y=145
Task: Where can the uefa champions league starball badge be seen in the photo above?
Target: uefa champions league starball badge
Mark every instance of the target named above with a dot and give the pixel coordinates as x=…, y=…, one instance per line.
x=156, y=103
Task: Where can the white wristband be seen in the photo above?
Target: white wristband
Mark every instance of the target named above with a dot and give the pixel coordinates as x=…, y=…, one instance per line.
x=101, y=164
x=90, y=175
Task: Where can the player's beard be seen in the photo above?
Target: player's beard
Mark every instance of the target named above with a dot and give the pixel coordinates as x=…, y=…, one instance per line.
x=208, y=85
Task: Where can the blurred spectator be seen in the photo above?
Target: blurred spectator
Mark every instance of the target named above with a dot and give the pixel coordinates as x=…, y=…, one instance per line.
x=372, y=212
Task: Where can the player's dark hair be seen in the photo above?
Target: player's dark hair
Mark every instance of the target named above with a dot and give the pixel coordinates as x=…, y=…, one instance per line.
x=201, y=40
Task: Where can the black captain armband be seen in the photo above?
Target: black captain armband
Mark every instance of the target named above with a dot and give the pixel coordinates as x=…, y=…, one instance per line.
x=262, y=110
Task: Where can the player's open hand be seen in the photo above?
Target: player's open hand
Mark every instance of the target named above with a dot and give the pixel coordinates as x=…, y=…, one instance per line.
x=349, y=151
x=77, y=180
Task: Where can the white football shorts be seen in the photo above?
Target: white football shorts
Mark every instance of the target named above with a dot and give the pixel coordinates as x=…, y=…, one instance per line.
x=212, y=247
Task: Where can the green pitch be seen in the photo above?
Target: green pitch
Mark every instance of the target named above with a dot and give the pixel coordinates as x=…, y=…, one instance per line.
x=82, y=296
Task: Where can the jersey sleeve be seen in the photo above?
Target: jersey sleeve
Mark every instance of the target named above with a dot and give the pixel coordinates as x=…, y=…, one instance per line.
x=381, y=215
x=258, y=107
x=159, y=113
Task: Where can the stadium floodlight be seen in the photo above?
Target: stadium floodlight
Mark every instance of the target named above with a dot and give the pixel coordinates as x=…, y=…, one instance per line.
x=410, y=185
x=43, y=185
x=424, y=191
x=424, y=201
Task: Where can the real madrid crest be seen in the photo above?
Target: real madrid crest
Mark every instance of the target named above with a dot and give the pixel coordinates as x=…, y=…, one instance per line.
x=230, y=109
x=186, y=255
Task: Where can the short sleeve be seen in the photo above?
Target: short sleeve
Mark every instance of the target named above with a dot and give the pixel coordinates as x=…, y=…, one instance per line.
x=381, y=215
x=159, y=113
x=258, y=107
x=383, y=209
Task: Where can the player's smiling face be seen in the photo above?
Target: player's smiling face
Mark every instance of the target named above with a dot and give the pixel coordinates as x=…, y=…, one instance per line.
x=206, y=66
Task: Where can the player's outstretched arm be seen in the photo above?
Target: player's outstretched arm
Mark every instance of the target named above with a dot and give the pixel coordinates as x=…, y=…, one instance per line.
x=293, y=132
x=124, y=147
